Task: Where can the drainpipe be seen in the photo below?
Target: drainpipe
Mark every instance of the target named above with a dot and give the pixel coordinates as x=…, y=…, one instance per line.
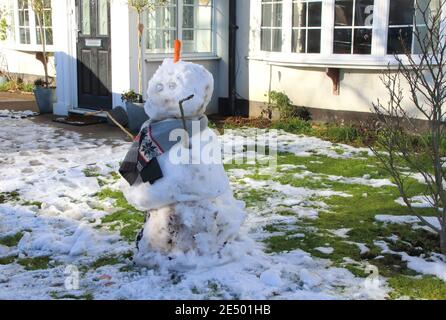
x=232, y=57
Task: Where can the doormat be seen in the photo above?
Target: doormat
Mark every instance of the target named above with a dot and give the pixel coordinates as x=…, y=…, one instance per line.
x=80, y=120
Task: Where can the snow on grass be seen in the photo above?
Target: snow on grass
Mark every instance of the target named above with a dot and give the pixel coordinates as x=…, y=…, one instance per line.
x=407, y=220
x=60, y=206
x=325, y=250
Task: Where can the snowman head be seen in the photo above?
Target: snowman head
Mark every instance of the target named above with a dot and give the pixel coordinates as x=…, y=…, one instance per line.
x=173, y=82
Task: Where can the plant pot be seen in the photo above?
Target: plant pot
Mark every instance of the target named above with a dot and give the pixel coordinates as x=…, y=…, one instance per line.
x=45, y=98
x=136, y=116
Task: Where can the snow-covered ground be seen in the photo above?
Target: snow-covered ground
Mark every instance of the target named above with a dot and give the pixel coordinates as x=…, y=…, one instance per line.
x=46, y=173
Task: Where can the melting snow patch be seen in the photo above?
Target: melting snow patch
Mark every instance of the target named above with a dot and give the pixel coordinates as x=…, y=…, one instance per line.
x=325, y=250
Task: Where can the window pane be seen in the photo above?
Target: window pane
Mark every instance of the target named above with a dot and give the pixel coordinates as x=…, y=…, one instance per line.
x=86, y=26
x=161, y=41
x=430, y=7
x=47, y=18
x=299, y=14
x=314, y=14
x=188, y=17
x=362, y=41
x=203, y=17
x=299, y=40
x=399, y=40
x=344, y=13
x=314, y=41
x=342, y=41
x=201, y=41
x=103, y=17
x=162, y=18
x=364, y=13
x=277, y=40
x=267, y=11
x=24, y=36
x=277, y=16
x=401, y=12
x=266, y=39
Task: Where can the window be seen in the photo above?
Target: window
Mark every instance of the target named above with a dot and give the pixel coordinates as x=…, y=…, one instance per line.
x=191, y=21
x=342, y=32
x=271, y=29
x=46, y=23
x=24, y=25
x=307, y=22
x=406, y=18
x=353, y=27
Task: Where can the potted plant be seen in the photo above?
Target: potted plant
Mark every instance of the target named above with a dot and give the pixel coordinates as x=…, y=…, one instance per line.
x=133, y=100
x=135, y=110
x=45, y=95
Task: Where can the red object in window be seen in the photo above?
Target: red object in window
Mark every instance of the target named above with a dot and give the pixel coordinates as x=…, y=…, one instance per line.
x=177, y=51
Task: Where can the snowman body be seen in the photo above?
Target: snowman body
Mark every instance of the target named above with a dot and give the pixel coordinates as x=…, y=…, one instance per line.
x=191, y=211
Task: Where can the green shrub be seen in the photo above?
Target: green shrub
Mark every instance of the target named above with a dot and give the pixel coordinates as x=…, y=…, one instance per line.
x=293, y=125
x=339, y=133
x=281, y=102
x=16, y=85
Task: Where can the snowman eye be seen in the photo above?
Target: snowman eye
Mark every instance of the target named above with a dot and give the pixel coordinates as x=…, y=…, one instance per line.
x=159, y=87
x=172, y=85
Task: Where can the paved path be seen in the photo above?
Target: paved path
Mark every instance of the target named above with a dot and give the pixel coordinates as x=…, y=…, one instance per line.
x=22, y=102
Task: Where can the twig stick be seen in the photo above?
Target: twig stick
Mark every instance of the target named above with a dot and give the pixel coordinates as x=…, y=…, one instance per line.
x=186, y=141
x=89, y=114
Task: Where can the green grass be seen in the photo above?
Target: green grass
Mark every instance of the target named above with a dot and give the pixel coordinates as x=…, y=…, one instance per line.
x=110, y=260
x=91, y=172
x=7, y=260
x=38, y=263
x=9, y=197
x=356, y=212
x=426, y=287
x=12, y=240
x=107, y=261
x=127, y=219
x=33, y=203
x=68, y=296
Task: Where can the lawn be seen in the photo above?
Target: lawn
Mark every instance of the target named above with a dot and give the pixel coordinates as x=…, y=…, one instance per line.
x=325, y=223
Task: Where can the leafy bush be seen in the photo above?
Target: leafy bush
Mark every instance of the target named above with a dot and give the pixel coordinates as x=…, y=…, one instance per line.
x=281, y=102
x=16, y=85
x=293, y=125
x=340, y=133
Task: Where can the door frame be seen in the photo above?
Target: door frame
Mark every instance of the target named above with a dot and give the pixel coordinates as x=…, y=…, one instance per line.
x=79, y=47
x=65, y=39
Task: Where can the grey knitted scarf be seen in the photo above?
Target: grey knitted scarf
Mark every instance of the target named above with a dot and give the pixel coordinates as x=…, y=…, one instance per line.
x=152, y=142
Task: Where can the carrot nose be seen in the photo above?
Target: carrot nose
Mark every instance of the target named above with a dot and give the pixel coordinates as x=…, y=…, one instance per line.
x=177, y=51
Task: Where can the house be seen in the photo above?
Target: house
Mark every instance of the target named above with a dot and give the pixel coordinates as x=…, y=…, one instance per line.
x=327, y=55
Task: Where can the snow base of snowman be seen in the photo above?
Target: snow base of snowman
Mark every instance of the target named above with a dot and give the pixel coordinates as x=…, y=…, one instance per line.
x=191, y=234
x=192, y=217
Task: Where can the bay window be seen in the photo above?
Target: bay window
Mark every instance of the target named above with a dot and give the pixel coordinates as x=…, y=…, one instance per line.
x=190, y=21
x=338, y=32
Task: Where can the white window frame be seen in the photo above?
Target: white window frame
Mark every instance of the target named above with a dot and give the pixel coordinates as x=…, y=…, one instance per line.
x=33, y=46
x=378, y=59
x=306, y=28
x=153, y=56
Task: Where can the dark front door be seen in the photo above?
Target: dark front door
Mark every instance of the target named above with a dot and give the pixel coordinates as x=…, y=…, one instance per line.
x=94, y=54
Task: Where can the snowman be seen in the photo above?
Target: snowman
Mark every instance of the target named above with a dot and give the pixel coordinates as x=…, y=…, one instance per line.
x=175, y=173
